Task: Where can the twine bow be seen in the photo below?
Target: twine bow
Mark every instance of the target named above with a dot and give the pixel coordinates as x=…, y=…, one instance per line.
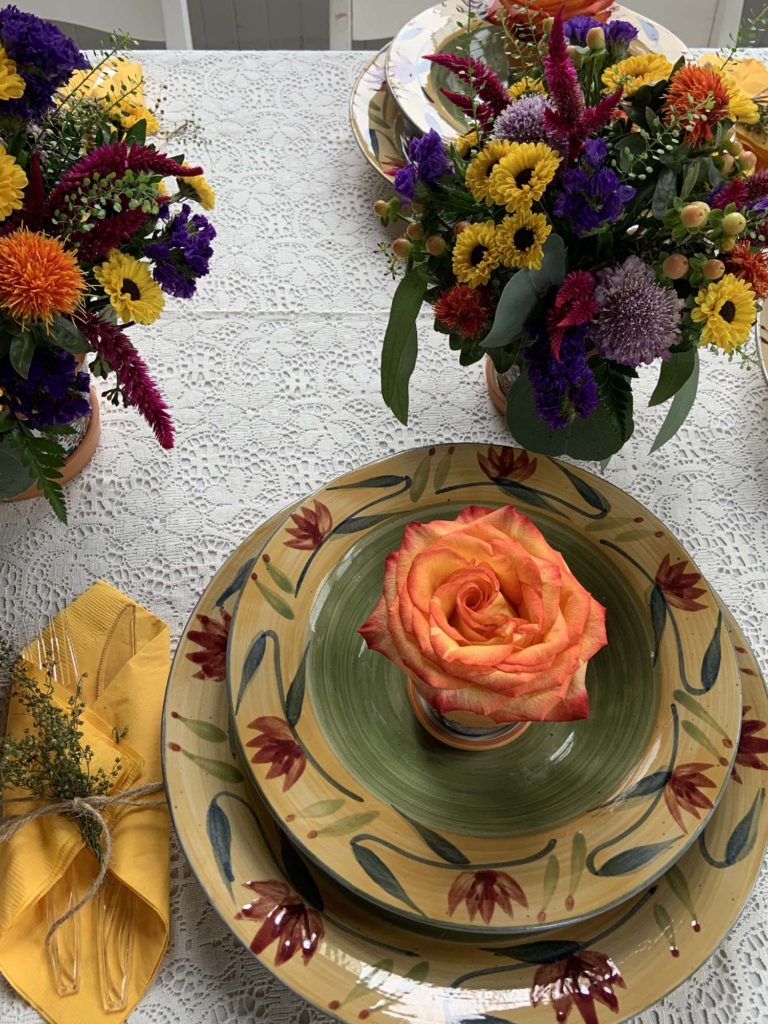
x=91, y=806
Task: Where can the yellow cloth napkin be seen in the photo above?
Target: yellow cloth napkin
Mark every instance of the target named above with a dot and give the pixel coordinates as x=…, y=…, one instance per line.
x=124, y=652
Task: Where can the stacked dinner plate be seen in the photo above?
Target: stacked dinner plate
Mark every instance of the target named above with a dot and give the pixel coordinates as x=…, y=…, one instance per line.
x=577, y=874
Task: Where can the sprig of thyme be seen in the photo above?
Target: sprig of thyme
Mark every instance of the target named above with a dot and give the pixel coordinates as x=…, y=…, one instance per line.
x=49, y=760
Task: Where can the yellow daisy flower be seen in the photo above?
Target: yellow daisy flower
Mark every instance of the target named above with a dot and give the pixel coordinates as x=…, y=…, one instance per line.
x=131, y=115
x=474, y=254
x=726, y=308
x=202, y=190
x=13, y=181
x=130, y=287
x=741, y=107
x=521, y=177
x=11, y=84
x=520, y=239
x=479, y=170
x=524, y=87
x=634, y=72
x=464, y=143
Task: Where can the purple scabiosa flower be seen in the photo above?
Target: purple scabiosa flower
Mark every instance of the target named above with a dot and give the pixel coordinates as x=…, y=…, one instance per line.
x=522, y=121
x=619, y=33
x=564, y=389
x=182, y=252
x=576, y=29
x=428, y=153
x=44, y=57
x=52, y=394
x=592, y=194
x=405, y=182
x=637, y=318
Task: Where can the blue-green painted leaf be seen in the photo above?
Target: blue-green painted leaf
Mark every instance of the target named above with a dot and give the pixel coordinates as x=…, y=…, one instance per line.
x=349, y=823
x=664, y=923
x=237, y=583
x=681, y=405
x=371, y=979
x=275, y=601
x=544, y=952
x=420, y=478
x=219, y=769
x=400, y=348
x=442, y=469
x=205, y=730
x=253, y=659
x=419, y=972
x=294, y=700
x=587, y=492
x=692, y=704
x=521, y=492
x=220, y=836
x=578, y=860
x=630, y=860
x=371, y=481
x=677, y=883
x=551, y=878
x=298, y=873
x=358, y=523
x=658, y=618
x=322, y=808
x=710, y=666
x=650, y=784
x=379, y=873
x=700, y=737
x=279, y=577
x=743, y=837
x=438, y=844
x=486, y=1018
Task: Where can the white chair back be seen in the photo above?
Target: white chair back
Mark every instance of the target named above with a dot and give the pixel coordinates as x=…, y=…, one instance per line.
x=162, y=21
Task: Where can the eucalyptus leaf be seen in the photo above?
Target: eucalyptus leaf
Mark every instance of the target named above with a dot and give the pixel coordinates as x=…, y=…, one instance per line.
x=674, y=373
x=398, y=354
x=681, y=405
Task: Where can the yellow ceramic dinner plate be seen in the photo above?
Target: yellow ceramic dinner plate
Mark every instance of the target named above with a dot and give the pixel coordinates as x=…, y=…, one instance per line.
x=347, y=960
x=602, y=806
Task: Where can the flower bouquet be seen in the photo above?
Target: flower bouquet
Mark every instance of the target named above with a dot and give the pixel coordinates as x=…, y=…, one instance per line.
x=91, y=240
x=599, y=215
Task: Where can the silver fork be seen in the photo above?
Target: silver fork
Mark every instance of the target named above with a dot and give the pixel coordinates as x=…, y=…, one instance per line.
x=114, y=911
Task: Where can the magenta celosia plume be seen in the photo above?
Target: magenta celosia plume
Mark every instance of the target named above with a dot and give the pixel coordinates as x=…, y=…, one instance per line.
x=574, y=305
x=137, y=387
x=489, y=89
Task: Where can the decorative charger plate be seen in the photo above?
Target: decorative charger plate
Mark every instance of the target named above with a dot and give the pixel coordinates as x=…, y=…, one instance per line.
x=404, y=820
x=415, y=82
x=376, y=120
x=350, y=961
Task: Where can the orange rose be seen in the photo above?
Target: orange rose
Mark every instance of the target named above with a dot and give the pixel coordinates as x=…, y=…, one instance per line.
x=486, y=617
x=522, y=12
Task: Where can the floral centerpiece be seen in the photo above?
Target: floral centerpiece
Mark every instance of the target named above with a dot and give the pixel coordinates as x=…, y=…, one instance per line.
x=598, y=216
x=91, y=241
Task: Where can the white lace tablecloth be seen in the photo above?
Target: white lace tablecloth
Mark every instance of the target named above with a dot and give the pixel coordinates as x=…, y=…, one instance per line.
x=272, y=374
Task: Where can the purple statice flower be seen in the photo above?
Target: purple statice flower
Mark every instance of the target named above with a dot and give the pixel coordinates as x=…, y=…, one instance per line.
x=522, y=121
x=405, y=182
x=637, y=318
x=181, y=252
x=53, y=393
x=619, y=34
x=564, y=389
x=428, y=153
x=45, y=58
x=592, y=195
x=576, y=29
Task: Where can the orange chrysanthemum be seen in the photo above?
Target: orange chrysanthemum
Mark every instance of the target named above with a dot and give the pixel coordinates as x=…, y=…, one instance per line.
x=38, y=276
x=697, y=99
x=751, y=265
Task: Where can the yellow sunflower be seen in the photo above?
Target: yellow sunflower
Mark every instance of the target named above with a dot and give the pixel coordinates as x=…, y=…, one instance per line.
x=634, y=72
x=726, y=308
x=521, y=177
x=474, y=254
x=524, y=87
x=464, y=143
x=520, y=239
x=131, y=290
x=13, y=181
x=479, y=170
x=11, y=83
x=202, y=190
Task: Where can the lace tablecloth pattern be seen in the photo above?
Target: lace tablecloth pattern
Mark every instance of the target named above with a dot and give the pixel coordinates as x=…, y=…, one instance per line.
x=272, y=375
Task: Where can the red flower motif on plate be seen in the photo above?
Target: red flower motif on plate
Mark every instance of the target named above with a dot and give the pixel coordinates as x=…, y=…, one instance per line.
x=579, y=980
x=276, y=745
x=507, y=464
x=483, y=891
x=678, y=586
x=212, y=639
x=751, y=745
x=285, y=919
x=683, y=791
x=311, y=526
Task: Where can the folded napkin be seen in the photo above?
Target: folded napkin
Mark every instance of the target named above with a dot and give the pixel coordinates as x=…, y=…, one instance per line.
x=123, y=650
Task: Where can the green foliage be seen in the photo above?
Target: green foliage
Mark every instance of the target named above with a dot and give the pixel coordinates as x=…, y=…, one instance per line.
x=43, y=457
x=49, y=761
x=674, y=373
x=398, y=354
x=522, y=293
x=682, y=403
